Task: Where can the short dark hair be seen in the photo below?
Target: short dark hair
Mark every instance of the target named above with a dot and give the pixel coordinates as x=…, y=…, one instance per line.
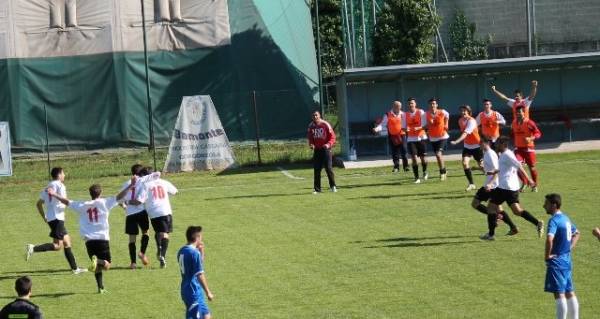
x=146, y=171
x=432, y=100
x=411, y=99
x=55, y=172
x=192, y=232
x=484, y=139
x=95, y=191
x=23, y=286
x=487, y=100
x=466, y=107
x=503, y=140
x=135, y=169
x=554, y=199
x=518, y=91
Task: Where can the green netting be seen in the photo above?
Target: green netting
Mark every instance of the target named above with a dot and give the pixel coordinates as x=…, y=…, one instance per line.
x=359, y=18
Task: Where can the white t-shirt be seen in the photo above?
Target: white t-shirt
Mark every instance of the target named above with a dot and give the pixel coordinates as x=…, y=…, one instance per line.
x=508, y=167
x=471, y=126
x=54, y=208
x=511, y=102
x=490, y=164
x=131, y=194
x=155, y=196
x=93, y=217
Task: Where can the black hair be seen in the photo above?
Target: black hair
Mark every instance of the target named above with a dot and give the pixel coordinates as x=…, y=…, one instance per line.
x=517, y=91
x=466, y=107
x=432, y=100
x=554, y=199
x=411, y=99
x=503, y=140
x=23, y=286
x=146, y=171
x=95, y=191
x=191, y=233
x=484, y=139
x=55, y=172
x=135, y=169
x=487, y=100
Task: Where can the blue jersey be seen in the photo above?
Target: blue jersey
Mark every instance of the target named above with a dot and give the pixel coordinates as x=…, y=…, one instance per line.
x=190, y=265
x=562, y=229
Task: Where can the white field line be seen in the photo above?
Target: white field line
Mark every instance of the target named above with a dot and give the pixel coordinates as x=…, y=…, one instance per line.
x=288, y=174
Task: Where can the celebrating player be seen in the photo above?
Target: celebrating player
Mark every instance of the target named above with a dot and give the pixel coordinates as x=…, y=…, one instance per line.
x=154, y=194
x=55, y=217
x=321, y=139
x=193, y=279
x=562, y=238
x=508, y=185
x=415, y=124
x=490, y=121
x=93, y=226
x=518, y=100
x=437, y=129
x=490, y=168
x=525, y=132
x=470, y=136
x=393, y=120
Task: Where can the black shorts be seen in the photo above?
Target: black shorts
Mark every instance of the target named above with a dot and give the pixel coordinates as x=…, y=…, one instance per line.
x=162, y=224
x=135, y=222
x=416, y=148
x=483, y=196
x=438, y=146
x=500, y=196
x=476, y=153
x=98, y=248
x=57, y=229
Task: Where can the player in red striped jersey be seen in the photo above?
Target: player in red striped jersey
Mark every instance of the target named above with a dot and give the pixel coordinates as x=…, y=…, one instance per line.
x=321, y=139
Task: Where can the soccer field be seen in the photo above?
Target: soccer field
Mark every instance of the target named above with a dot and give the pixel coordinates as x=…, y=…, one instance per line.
x=381, y=247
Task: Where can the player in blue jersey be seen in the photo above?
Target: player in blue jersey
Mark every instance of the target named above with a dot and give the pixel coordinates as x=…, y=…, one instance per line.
x=562, y=238
x=193, y=280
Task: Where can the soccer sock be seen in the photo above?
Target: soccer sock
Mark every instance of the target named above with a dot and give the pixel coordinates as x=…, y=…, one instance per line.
x=98, y=276
x=101, y=263
x=528, y=217
x=443, y=170
x=469, y=175
x=416, y=171
x=145, y=239
x=424, y=166
x=157, y=243
x=508, y=220
x=482, y=209
x=573, y=308
x=164, y=244
x=70, y=258
x=534, y=175
x=43, y=247
x=561, y=308
x=492, y=223
x=132, y=252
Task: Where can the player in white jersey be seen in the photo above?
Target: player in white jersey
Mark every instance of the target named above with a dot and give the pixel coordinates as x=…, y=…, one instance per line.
x=55, y=217
x=508, y=185
x=490, y=168
x=94, y=228
x=154, y=194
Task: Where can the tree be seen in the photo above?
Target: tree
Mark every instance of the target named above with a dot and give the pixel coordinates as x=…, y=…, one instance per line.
x=404, y=31
x=465, y=45
x=332, y=44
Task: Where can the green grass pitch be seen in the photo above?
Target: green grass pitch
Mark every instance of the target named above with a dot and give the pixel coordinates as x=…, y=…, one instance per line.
x=381, y=247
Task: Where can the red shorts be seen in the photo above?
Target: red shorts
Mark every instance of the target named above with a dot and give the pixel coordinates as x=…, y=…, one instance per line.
x=526, y=155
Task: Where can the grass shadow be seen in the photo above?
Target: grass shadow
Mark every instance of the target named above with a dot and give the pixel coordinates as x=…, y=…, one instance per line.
x=407, y=245
x=257, y=196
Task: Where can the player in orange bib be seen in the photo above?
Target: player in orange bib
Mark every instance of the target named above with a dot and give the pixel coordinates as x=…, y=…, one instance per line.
x=392, y=120
x=489, y=122
x=437, y=129
x=518, y=100
x=524, y=133
x=415, y=124
x=471, y=147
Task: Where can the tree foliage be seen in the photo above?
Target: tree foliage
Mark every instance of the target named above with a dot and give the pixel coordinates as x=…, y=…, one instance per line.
x=332, y=43
x=465, y=45
x=404, y=32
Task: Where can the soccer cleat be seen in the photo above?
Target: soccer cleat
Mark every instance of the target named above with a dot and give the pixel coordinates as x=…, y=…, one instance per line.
x=78, y=271
x=471, y=187
x=333, y=189
x=534, y=189
x=28, y=251
x=540, y=229
x=512, y=232
x=395, y=170
x=102, y=291
x=315, y=193
x=143, y=258
x=406, y=169
x=133, y=266
x=417, y=181
x=94, y=265
x=163, y=262
x=487, y=237
x=443, y=177
x=425, y=176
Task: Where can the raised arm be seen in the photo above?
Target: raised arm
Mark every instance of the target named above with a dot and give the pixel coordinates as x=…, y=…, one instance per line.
x=499, y=94
x=533, y=91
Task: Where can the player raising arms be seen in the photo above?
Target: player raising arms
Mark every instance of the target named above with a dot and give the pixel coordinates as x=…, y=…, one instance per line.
x=525, y=132
x=94, y=228
x=490, y=121
x=490, y=168
x=193, y=279
x=154, y=194
x=415, y=124
x=393, y=120
x=518, y=100
x=437, y=128
x=55, y=217
x=562, y=238
x=471, y=148
x=508, y=185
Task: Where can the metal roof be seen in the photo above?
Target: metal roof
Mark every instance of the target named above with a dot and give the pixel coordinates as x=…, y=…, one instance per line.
x=480, y=66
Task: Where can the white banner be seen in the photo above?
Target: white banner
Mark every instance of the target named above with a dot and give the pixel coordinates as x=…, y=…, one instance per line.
x=5, y=157
x=199, y=141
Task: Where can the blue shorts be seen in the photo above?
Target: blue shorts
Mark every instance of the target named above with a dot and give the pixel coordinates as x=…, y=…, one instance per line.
x=558, y=280
x=197, y=310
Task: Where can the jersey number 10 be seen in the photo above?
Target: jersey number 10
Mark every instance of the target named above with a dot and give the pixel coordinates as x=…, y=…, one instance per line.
x=158, y=192
x=93, y=214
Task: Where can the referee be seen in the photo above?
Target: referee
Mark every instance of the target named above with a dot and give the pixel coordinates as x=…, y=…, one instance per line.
x=321, y=139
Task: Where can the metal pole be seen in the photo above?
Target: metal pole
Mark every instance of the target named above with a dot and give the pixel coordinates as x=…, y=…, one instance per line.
x=533, y=27
x=437, y=32
x=352, y=29
x=151, y=145
x=47, y=143
x=527, y=3
x=374, y=13
x=256, y=126
x=349, y=45
x=364, y=31
x=320, y=66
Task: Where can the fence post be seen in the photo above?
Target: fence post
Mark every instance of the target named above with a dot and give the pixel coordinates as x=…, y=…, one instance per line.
x=47, y=143
x=256, y=126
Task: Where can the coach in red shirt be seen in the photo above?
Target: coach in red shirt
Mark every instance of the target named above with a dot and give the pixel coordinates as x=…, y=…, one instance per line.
x=321, y=139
